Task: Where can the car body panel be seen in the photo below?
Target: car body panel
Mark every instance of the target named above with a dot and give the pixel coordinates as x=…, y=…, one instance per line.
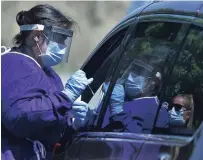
x=117, y=146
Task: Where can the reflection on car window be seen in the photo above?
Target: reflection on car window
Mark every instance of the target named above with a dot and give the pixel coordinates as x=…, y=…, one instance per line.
x=142, y=66
x=142, y=71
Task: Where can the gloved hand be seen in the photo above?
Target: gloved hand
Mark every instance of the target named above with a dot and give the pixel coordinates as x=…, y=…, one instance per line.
x=76, y=85
x=79, y=114
x=117, y=98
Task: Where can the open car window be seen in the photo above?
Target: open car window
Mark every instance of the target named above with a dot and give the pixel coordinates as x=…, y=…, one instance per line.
x=99, y=65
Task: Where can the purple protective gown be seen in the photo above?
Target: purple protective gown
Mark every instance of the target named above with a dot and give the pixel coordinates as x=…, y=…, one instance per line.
x=33, y=106
x=137, y=113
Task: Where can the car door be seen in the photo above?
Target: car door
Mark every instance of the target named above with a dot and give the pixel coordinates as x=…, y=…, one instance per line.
x=163, y=36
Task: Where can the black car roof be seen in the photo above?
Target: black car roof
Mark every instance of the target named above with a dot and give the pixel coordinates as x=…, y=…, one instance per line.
x=189, y=8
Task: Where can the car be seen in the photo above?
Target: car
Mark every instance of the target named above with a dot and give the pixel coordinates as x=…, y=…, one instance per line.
x=162, y=36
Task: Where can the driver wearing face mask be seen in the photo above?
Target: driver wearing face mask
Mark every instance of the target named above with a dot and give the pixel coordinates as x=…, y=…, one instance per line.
x=181, y=112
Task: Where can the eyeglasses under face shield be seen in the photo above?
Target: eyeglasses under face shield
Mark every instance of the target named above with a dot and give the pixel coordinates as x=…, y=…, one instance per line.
x=59, y=35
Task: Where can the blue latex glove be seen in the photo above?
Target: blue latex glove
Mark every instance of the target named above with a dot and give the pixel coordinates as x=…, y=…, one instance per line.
x=79, y=114
x=76, y=85
x=117, y=98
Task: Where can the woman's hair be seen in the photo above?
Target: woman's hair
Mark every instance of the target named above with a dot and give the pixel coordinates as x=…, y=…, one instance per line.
x=41, y=14
x=189, y=103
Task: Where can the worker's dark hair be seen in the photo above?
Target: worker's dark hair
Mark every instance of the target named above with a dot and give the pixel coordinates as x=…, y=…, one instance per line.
x=41, y=14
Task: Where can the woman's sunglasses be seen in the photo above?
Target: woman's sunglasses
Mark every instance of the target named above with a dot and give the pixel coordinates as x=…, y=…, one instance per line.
x=178, y=107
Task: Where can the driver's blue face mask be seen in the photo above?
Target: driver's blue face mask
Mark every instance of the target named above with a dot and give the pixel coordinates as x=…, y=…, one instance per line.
x=134, y=85
x=176, y=117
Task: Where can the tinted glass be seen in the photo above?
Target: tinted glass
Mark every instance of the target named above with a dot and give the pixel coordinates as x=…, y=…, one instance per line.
x=145, y=58
x=185, y=86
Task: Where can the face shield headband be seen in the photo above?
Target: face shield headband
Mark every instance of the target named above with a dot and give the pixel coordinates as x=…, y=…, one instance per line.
x=60, y=40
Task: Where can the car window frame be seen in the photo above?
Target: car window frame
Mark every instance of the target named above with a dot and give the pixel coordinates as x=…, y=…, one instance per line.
x=140, y=19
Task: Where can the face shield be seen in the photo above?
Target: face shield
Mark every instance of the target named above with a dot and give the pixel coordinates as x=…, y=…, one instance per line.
x=136, y=67
x=136, y=76
x=59, y=39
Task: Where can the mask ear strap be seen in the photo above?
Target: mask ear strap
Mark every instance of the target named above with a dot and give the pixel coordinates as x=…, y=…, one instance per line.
x=33, y=27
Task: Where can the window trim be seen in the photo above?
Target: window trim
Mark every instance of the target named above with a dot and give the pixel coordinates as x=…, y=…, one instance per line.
x=167, y=18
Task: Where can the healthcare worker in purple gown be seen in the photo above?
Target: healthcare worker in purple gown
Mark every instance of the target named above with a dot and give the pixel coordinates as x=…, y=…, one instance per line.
x=37, y=109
